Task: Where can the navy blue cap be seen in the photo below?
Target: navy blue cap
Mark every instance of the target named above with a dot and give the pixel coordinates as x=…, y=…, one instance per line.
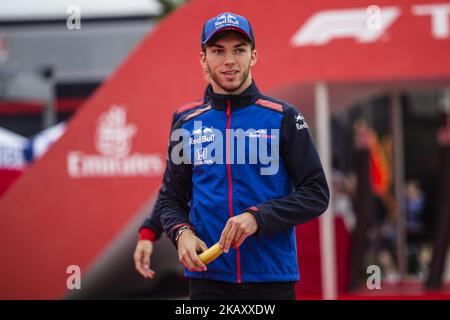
x=227, y=21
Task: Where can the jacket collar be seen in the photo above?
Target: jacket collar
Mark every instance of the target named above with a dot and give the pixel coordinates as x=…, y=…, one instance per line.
x=246, y=98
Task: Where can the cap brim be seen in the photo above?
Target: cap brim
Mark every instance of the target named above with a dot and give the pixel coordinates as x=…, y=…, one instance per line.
x=245, y=34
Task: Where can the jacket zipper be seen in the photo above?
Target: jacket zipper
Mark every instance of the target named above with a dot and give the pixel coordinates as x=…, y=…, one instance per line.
x=230, y=185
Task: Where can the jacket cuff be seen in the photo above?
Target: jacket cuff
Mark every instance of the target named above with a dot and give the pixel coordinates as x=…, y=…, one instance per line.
x=147, y=234
x=254, y=211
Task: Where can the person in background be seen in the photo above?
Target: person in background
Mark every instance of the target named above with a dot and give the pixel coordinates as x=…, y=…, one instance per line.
x=151, y=229
x=415, y=202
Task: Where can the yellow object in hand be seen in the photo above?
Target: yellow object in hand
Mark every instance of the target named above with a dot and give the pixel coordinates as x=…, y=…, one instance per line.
x=211, y=254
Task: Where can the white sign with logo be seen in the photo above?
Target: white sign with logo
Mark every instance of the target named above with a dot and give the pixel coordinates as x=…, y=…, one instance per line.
x=113, y=141
x=367, y=25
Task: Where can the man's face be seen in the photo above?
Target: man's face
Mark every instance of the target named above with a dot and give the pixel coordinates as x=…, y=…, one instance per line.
x=228, y=62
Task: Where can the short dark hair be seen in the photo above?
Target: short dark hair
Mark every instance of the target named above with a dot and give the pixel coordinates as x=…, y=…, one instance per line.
x=223, y=34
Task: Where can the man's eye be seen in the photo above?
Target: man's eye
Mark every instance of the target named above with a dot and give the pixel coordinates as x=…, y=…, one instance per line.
x=217, y=51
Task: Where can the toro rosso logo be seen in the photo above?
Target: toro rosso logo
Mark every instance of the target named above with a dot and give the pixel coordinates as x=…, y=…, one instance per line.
x=260, y=133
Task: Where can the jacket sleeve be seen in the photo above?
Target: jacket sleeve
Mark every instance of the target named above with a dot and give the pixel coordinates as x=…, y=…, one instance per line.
x=153, y=222
x=310, y=195
x=176, y=190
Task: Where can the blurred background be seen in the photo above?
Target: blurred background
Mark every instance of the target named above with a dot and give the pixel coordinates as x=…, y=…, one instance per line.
x=87, y=90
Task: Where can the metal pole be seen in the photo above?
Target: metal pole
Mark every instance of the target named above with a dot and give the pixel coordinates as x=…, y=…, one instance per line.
x=399, y=178
x=326, y=221
x=49, y=113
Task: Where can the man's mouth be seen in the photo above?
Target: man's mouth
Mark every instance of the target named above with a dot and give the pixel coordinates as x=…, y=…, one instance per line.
x=230, y=74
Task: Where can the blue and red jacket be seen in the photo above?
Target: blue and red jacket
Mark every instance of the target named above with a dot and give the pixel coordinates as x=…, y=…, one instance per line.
x=293, y=194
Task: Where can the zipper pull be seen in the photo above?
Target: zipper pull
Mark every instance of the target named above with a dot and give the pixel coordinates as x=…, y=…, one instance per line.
x=228, y=108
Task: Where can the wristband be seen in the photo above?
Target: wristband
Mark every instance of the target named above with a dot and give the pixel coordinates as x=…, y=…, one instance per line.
x=180, y=231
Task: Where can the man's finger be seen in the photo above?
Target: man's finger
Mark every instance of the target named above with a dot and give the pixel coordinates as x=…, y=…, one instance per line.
x=148, y=272
x=237, y=236
x=203, y=246
x=224, y=234
x=137, y=263
x=240, y=240
x=146, y=259
x=139, y=269
x=139, y=258
x=230, y=238
x=199, y=265
x=186, y=260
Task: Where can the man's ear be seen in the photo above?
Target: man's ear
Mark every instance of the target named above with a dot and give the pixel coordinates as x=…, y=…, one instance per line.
x=203, y=62
x=253, y=58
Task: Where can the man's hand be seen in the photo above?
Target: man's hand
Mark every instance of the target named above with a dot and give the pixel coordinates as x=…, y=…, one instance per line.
x=236, y=230
x=142, y=253
x=188, y=244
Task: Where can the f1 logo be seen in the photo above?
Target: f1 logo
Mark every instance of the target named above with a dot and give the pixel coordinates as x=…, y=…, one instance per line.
x=367, y=25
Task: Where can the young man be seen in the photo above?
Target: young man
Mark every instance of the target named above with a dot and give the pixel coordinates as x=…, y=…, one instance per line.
x=247, y=164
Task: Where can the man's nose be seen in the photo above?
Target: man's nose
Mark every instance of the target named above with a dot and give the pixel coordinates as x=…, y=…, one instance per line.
x=229, y=59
